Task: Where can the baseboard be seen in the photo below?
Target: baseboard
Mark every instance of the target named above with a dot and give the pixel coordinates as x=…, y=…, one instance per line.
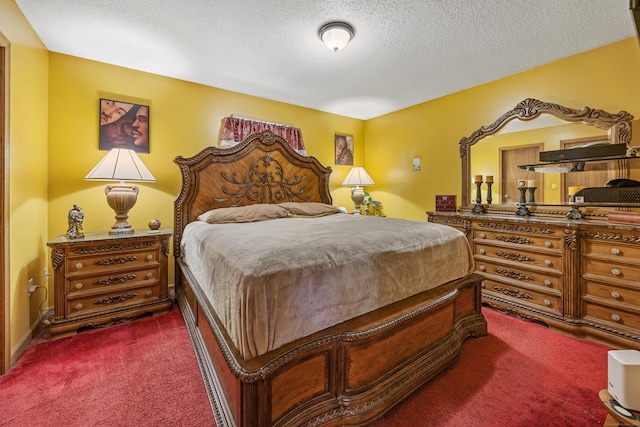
x=23, y=343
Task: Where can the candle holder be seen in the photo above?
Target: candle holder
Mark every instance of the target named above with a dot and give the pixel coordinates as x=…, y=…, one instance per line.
x=523, y=210
x=532, y=198
x=478, y=208
x=489, y=198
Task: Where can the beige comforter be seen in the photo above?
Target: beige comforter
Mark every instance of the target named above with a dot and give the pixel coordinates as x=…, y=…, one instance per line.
x=272, y=282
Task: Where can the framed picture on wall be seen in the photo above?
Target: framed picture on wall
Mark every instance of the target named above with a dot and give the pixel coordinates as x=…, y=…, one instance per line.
x=124, y=125
x=344, y=149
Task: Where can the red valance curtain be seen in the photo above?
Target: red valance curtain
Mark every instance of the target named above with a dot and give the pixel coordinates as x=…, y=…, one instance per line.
x=235, y=129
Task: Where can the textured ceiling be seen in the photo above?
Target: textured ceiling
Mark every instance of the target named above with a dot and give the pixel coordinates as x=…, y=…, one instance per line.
x=404, y=51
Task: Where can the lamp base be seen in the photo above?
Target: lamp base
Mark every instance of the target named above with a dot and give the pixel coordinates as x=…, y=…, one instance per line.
x=121, y=198
x=357, y=195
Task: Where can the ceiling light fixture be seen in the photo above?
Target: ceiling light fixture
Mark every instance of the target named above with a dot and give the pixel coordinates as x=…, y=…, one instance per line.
x=336, y=35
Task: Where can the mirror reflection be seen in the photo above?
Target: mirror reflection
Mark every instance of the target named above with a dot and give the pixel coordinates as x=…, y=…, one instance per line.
x=500, y=155
x=533, y=126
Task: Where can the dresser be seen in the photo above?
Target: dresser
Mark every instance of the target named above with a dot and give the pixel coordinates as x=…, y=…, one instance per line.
x=581, y=277
x=103, y=279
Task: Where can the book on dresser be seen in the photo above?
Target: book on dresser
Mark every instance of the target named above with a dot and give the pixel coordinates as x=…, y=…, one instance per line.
x=625, y=217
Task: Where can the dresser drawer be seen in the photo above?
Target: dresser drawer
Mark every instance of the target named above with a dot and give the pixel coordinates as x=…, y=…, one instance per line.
x=612, y=294
x=611, y=250
x=611, y=272
x=613, y=315
x=544, y=280
x=549, y=260
x=94, y=303
x=92, y=264
x=548, y=302
x=552, y=242
x=111, y=281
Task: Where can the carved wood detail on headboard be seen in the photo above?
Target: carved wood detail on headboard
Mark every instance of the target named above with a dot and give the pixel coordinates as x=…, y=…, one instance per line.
x=261, y=169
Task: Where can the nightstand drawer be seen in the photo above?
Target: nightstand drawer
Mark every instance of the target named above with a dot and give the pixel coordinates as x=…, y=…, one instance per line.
x=97, y=302
x=93, y=264
x=108, y=281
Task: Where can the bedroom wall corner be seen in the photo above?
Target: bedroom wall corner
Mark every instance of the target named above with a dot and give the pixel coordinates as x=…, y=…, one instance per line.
x=27, y=150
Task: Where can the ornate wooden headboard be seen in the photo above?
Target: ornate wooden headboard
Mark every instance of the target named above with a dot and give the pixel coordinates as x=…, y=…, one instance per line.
x=260, y=169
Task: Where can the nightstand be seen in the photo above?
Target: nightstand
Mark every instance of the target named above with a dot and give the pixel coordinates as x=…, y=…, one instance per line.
x=104, y=279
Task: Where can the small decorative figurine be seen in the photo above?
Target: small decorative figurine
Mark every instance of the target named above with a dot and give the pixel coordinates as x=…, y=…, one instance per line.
x=154, y=224
x=76, y=217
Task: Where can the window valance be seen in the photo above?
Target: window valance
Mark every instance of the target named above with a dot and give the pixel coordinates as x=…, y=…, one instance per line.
x=235, y=129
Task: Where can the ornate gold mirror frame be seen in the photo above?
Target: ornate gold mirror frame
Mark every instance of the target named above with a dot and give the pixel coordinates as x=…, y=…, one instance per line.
x=618, y=125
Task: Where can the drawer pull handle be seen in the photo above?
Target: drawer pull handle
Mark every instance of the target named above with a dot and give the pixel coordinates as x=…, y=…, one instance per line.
x=149, y=293
x=149, y=275
x=547, y=282
x=547, y=262
x=547, y=303
x=79, y=285
x=615, y=317
x=482, y=251
x=483, y=236
x=149, y=257
x=79, y=265
x=615, y=294
x=615, y=251
x=547, y=243
x=482, y=268
x=79, y=306
x=615, y=271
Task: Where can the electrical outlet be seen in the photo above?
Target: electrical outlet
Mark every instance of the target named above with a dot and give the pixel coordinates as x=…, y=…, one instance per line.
x=31, y=287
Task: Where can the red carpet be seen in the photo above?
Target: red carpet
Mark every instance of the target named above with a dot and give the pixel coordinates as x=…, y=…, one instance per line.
x=521, y=375
x=144, y=373
x=141, y=373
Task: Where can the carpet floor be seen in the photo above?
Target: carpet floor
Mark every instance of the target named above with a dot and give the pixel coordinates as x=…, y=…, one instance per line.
x=144, y=373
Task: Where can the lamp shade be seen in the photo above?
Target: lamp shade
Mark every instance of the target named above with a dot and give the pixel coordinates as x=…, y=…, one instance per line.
x=121, y=165
x=358, y=177
x=336, y=35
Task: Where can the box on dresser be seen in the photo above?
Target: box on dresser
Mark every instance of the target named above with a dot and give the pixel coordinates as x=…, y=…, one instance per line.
x=103, y=279
x=446, y=203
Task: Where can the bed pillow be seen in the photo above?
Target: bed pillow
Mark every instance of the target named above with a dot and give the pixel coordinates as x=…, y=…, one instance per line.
x=309, y=209
x=250, y=213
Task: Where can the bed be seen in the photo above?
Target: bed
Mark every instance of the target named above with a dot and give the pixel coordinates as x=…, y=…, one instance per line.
x=300, y=315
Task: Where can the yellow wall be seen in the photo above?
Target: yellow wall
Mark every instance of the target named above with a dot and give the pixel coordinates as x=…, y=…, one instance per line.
x=184, y=118
x=605, y=78
x=28, y=204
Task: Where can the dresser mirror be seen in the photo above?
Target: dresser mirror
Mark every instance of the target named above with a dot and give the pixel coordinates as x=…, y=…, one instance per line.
x=517, y=137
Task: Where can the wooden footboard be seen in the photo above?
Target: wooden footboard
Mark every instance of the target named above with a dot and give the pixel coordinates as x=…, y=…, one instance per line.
x=349, y=374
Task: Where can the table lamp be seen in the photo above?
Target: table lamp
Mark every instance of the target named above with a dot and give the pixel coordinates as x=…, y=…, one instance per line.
x=121, y=165
x=357, y=177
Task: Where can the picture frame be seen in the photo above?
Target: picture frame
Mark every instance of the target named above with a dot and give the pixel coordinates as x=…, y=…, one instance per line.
x=344, y=146
x=123, y=125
